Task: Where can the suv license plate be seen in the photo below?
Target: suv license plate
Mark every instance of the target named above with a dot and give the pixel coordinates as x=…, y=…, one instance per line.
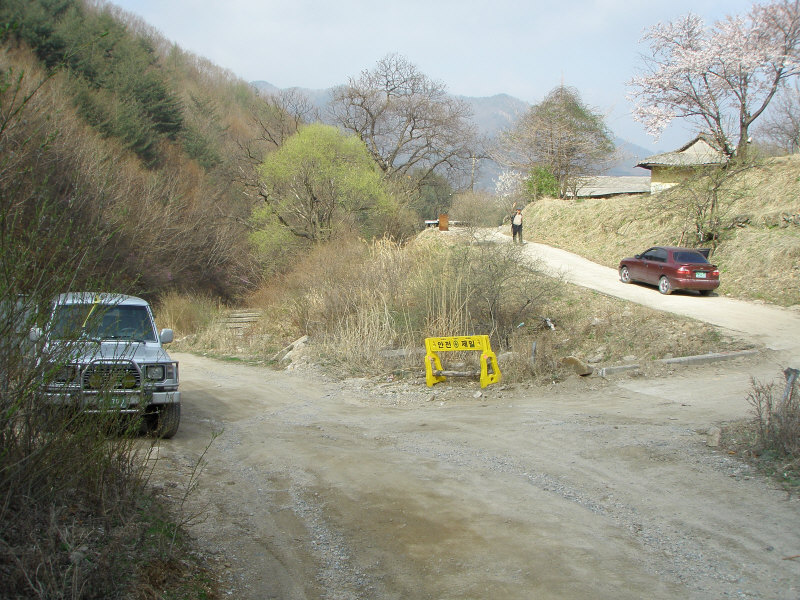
x=118, y=402
x=700, y=274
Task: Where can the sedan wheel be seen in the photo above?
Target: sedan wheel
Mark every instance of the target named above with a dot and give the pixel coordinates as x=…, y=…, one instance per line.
x=624, y=275
x=663, y=285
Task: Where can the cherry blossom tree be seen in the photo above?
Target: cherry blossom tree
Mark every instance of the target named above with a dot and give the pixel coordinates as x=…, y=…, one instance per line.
x=720, y=78
x=509, y=184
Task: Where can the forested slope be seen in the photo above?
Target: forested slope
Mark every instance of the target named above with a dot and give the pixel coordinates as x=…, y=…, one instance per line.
x=105, y=122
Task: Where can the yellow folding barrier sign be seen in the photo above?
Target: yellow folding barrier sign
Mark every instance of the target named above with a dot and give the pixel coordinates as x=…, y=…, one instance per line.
x=433, y=366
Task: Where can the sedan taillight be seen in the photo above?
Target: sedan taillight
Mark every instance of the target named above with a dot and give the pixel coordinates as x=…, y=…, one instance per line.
x=684, y=270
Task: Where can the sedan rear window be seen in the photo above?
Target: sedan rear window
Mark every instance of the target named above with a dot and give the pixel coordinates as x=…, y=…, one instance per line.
x=694, y=258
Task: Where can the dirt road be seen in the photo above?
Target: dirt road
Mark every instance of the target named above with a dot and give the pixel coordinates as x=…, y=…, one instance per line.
x=590, y=489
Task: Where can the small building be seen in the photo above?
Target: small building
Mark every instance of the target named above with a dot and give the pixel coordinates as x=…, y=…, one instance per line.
x=671, y=168
x=603, y=186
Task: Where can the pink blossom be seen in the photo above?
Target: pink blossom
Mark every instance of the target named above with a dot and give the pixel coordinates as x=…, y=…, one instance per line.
x=721, y=78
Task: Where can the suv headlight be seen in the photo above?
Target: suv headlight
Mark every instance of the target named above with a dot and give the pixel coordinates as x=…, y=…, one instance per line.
x=156, y=372
x=161, y=372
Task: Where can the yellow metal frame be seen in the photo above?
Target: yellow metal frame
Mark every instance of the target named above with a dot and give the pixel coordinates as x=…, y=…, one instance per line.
x=459, y=344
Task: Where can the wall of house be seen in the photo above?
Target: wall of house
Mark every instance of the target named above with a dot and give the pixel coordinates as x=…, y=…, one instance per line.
x=662, y=178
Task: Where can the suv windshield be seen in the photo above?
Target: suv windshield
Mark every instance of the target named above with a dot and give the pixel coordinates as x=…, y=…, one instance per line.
x=103, y=322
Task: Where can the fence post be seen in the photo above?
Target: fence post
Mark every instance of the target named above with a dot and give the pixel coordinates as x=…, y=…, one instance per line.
x=791, y=377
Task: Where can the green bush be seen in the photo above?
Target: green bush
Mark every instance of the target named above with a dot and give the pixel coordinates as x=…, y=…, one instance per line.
x=541, y=183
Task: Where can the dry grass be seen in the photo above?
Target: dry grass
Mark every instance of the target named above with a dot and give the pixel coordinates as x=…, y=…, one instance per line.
x=357, y=301
x=762, y=264
x=204, y=326
x=777, y=417
x=771, y=439
x=187, y=315
x=759, y=259
x=77, y=521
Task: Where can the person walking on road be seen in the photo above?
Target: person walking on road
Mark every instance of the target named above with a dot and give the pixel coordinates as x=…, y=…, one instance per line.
x=516, y=226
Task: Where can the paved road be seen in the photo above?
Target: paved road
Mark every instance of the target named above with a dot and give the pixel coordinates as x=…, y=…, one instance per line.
x=774, y=327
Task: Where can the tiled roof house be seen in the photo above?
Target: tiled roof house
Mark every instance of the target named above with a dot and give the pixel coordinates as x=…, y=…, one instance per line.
x=671, y=168
x=603, y=186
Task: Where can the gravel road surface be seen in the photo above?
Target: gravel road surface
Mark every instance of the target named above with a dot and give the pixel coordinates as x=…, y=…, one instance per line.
x=594, y=488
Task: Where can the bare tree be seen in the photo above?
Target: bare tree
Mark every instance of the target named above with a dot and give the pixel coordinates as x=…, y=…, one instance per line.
x=781, y=126
x=409, y=123
x=560, y=135
x=721, y=78
x=281, y=115
x=274, y=118
x=479, y=209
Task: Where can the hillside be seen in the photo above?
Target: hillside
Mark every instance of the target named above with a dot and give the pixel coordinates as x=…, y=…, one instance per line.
x=159, y=145
x=125, y=166
x=144, y=124
x=759, y=222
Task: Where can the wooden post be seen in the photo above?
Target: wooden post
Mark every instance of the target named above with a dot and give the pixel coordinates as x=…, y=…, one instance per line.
x=791, y=377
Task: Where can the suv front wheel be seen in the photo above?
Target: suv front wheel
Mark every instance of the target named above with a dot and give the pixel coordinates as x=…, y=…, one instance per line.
x=164, y=423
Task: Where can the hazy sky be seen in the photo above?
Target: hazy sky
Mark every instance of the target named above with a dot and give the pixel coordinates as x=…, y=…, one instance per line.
x=477, y=48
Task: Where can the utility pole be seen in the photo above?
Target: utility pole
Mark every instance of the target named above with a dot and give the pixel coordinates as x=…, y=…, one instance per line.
x=472, y=178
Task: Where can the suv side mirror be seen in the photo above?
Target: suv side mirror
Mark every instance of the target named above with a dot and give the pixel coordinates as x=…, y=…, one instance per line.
x=166, y=336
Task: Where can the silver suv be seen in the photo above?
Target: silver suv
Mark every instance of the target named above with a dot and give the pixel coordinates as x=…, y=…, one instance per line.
x=108, y=356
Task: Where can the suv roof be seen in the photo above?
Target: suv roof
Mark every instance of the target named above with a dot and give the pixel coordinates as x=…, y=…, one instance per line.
x=99, y=298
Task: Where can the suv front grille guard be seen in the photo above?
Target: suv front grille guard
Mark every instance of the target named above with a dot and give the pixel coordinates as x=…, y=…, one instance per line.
x=111, y=375
x=112, y=382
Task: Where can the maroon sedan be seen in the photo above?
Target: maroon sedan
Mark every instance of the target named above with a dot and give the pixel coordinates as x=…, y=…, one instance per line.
x=671, y=268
